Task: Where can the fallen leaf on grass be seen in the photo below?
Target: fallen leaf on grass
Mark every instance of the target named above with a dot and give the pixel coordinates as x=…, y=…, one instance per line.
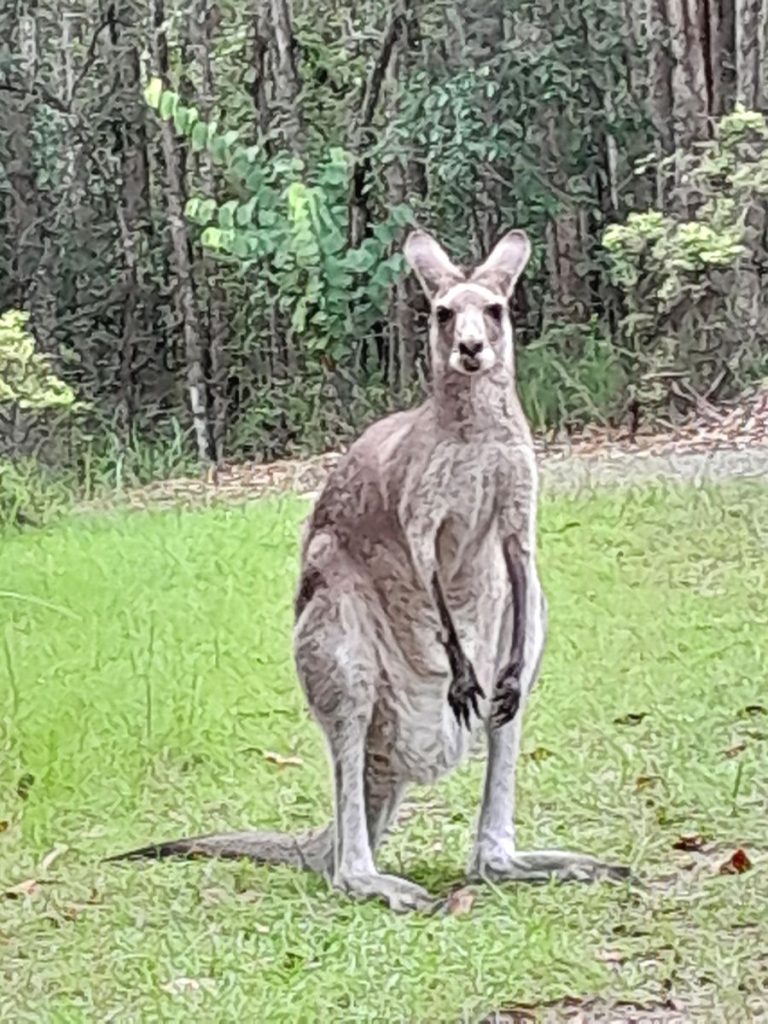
x=281, y=759
x=460, y=902
x=611, y=956
x=73, y=910
x=177, y=986
x=736, y=864
x=633, y=718
x=751, y=710
x=689, y=843
x=26, y=888
x=733, y=751
x=52, y=855
x=541, y=754
x=24, y=785
x=644, y=781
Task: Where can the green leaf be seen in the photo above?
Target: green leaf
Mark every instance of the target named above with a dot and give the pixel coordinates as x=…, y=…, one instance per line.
x=227, y=214
x=244, y=213
x=242, y=245
x=199, y=136
x=402, y=215
x=212, y=238
x=153, y=92
x=181, y=119
x=192, y=207
x=169, y=101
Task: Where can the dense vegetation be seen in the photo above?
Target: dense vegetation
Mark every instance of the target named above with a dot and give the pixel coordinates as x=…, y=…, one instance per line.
x=202, y=204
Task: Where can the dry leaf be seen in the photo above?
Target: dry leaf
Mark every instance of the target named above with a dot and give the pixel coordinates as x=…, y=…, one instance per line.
x=52, y=855
x=611, y=956
x=633, y=718
x=26, y=888
x=736, y=864
x=281, y=759
x=690, y=843
x=4, y=825
x=754, y=709
x=460, y=902
x=177, y=986
x=644, y=781
x=25, y=783
x=73, y=910
x=541, y=754
x=733, y=751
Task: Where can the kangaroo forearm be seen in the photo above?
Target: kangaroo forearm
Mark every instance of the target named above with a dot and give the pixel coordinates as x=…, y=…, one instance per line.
x=520, y=585
x=508, y=688
x=451, y=642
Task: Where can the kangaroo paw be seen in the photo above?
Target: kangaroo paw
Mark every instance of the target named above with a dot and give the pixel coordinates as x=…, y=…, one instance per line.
x=506, y=695
x=463, y=692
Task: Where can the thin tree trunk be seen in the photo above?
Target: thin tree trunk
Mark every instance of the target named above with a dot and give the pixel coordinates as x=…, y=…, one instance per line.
x=132, y=205
x=204, y=19
x=286, y=80
x=358, y=206
x=185, y=288
x=750, y=23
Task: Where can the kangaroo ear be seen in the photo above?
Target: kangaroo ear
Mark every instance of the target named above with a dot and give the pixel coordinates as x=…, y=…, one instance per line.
x=505, y=264
x=430, y=263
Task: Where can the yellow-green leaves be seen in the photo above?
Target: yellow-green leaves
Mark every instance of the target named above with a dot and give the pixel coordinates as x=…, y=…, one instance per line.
x=26, y=379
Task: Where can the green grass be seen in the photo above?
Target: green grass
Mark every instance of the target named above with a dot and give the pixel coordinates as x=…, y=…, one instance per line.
x=145, y=669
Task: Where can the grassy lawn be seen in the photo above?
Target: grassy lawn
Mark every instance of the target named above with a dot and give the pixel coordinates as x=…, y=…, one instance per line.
x=146, y=678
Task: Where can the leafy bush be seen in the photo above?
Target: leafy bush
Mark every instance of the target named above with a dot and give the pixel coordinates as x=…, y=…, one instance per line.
x=30, y=495
x=28, y=388
x=695, y=312
x=26, y=380
x=291, y=221
x=572, y=375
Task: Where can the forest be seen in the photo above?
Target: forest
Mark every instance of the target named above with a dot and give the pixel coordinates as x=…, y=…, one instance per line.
x=203, y=204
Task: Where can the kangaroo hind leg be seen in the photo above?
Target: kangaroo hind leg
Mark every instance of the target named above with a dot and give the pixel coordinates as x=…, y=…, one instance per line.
x=336, y=658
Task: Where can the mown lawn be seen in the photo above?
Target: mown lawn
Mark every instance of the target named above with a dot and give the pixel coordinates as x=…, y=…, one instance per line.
x=146, y=675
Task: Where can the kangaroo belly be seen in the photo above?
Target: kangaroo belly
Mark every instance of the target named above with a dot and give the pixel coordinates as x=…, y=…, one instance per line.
x=413, y=726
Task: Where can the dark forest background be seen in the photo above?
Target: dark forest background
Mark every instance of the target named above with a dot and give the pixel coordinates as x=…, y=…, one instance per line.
x=202, y=206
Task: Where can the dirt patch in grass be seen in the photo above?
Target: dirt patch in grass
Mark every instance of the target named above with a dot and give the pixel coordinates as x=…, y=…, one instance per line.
x=592, y=1011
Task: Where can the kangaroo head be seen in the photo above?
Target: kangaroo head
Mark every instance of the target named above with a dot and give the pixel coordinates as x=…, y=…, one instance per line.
x=470, y=327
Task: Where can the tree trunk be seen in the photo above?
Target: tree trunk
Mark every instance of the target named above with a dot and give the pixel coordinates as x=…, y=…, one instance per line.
x=132, y=203
x=204, y=19
x=286, y=80
x=184, y=284
x=751, y=53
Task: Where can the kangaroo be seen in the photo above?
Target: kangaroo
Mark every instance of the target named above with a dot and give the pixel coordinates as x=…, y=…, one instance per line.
x=419, y=613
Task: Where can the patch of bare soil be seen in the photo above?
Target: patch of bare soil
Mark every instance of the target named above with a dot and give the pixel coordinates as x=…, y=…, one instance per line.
x=592, y=1011
x=719, y=444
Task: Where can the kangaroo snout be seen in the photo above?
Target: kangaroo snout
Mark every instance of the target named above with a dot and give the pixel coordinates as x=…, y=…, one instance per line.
x=470, y=348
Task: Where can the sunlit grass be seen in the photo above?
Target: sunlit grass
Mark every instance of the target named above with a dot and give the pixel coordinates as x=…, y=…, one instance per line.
x=145, y=670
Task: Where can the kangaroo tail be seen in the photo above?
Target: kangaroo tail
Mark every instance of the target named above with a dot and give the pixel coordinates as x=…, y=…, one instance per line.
x=311, y=850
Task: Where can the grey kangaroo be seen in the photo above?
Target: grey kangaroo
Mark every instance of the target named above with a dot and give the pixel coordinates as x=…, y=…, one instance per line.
x=419, y=612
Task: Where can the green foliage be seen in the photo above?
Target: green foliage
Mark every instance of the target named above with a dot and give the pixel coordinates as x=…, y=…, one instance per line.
x=26, y=379
x=30, y=495
x=572, y=375
x=289, y=229
x=688, y=275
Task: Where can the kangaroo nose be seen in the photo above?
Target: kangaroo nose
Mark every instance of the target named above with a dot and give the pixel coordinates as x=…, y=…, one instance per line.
x=470, y=348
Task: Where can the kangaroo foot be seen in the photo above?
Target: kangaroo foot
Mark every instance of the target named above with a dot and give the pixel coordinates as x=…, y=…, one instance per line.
x=492, y=862
x=400, y=895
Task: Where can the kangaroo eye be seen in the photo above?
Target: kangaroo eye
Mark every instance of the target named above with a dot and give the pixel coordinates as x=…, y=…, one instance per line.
x=444, y=315
x=495, y=311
